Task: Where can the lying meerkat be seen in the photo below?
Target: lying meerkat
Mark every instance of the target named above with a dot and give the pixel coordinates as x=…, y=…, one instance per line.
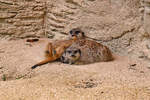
x=55, y=49
x=84, y=51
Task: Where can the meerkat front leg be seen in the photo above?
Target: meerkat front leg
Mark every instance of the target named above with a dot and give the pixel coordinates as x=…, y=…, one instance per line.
x=49, y=51
x=51, y=57
x=53, y=54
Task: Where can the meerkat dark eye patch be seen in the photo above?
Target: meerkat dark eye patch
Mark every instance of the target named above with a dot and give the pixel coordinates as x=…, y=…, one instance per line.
x=76, y=51
x=83, y=34
x=71, y=32
x=77, y=32
x=69, y=51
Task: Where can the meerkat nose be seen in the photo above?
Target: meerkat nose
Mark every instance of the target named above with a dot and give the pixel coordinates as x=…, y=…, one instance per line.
x=73, y=56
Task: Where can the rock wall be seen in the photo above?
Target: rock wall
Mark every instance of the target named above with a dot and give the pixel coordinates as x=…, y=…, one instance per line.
x=120, y=24
x=146, y=4
x=21, y=18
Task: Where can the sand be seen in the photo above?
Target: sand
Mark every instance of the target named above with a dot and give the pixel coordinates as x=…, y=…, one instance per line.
x=121, y=79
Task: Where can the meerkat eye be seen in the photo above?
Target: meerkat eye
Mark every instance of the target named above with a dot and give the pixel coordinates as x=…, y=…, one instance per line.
x=76, y=51
x=71, y=32
x=69, y=51
x=77, y=32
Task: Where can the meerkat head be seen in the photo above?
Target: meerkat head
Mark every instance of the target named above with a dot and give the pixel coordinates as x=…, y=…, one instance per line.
x=77, y=32
x=71, y=55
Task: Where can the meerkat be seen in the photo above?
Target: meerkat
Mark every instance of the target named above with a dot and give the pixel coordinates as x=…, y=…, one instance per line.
x=84, y=51
x=55, y=49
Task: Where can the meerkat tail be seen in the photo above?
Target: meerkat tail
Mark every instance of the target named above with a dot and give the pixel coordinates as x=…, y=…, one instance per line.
x=44, y=62
x=33, y=67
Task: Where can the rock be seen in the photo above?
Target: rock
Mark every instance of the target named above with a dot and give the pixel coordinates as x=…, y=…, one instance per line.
x=115, y=23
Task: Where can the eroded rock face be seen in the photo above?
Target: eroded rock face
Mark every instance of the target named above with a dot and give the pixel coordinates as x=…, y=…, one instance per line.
x=146, y=4
x=120, y=24
x=21, y=17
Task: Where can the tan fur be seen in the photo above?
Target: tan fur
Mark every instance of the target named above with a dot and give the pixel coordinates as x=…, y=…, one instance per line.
x=55, y=49
x=91, y=51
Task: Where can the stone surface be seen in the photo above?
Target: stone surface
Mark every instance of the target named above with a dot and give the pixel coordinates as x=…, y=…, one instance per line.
x=119, y=24
x=147, y=16
x=21, y=18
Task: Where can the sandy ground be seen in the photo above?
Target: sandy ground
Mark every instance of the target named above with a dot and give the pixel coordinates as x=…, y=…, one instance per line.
x=121, y=79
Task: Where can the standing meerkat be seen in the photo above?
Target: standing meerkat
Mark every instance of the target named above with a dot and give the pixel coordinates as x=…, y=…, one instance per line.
x=84, y=51
x=54, y=50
